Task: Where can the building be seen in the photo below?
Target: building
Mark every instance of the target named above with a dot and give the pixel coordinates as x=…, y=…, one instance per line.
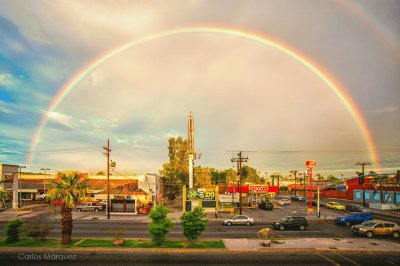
x=9, y=175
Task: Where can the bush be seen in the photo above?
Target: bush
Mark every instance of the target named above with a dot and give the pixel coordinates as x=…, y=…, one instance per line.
x=12, y=230
x=193, y=223
x=37, y=230
x=160, y=225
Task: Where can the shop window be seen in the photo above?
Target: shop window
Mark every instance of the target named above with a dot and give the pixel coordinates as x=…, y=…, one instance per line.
x=367, y=195
x=377, y=196
x=357, y=194
x=387, y=197
x=397, y=197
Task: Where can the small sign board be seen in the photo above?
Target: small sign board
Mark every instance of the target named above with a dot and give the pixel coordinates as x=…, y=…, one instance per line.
x=341, y=188
x=311, y=163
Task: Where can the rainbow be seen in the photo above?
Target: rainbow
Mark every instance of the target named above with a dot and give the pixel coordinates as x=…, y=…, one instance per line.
x=261, y=38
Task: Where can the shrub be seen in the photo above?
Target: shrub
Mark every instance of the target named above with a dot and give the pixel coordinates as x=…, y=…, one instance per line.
x=193, y=223
x=12, y=230
x=160, y=225
x=37, y=230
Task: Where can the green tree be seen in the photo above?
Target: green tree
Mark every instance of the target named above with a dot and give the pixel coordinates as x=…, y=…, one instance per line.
x=12, y=230
x=202, y=177
x=160, y=225
x=332, y=179
x=70, y=188
x=3, y=196
x=217, y=176
x=249, y=174
x=176, y=171
x=194, y=223
x=230, y=175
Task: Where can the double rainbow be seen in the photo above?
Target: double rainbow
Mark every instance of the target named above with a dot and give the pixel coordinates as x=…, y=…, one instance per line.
x=261, y=38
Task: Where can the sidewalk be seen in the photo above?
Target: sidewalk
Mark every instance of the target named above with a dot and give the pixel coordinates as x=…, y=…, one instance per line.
x=316, y=244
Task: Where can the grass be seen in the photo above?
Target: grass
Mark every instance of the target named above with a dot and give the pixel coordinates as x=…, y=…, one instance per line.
x=52, y=243
x=149, y=244
x=107, y=243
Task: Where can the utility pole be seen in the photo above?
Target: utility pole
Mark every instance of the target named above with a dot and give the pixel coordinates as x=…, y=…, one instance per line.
x=239, y=161
x=295, y=180
x=44, y=181
x=20, y=186
x=363, y=164
x=107, y=153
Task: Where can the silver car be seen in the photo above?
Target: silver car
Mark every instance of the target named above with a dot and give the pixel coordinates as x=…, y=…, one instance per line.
x=283, y=202
x=239, y=219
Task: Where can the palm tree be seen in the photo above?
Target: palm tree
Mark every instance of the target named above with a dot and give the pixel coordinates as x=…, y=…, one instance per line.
x=69, y=189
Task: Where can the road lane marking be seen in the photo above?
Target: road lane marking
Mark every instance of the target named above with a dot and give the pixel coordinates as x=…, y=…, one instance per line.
x=349, y=260
x=329, y=260
x=388, y=261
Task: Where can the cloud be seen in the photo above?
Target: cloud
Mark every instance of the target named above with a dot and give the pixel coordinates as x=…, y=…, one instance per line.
x=7, y=80
x=62, y=119
x=387, y=109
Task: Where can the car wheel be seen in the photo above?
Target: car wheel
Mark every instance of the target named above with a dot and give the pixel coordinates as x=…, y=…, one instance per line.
x=396, y=234
x=282, y=228
x=348, y=223
x=248, y=223
x=302, y=227
x=228, y=223
x=370, y=234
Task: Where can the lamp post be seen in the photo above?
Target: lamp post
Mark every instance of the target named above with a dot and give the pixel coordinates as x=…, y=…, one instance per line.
x=44, y=181
x=19, y=185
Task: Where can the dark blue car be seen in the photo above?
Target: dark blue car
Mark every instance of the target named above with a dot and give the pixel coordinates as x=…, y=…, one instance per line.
x=352, y=218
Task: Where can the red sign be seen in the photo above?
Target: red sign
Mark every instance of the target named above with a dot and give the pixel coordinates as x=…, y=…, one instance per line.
x=273, y=189
x=258, y=189
x=310, y=163
x=245, y=189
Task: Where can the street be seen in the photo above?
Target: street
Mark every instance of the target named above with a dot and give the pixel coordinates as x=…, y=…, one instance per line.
x=198, y=258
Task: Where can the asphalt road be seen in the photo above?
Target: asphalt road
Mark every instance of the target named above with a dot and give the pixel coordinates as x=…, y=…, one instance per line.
x=215, y=230
x=197, y=258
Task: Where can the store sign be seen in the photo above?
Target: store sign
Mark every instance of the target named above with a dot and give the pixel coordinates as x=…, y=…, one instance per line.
x=341, y=188
x=259, y=189
x=310, y=163
x=201, y=193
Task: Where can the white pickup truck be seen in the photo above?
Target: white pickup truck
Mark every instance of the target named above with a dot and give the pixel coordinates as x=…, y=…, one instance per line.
x=91, y=207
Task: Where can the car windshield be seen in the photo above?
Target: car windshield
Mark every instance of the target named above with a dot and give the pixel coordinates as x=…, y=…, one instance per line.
x=368, y=224
x=284, y=219
x=348, y=214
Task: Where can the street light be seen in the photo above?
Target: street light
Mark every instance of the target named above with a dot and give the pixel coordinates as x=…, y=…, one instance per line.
x=19, y=185
x=44, y=183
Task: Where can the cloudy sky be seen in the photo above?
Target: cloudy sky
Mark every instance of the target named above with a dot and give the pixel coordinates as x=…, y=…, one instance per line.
x=245, y=95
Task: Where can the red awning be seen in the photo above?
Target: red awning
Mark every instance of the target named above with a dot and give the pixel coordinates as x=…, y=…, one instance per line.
x=273, y=189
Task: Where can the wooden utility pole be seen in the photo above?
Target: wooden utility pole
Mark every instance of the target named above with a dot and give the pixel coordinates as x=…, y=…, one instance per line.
x=239, y=162
x=363, y=164
x=107, y=153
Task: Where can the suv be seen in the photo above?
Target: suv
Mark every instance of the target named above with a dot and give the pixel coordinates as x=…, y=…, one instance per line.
x=291, y=222
x=297, y=198
x=351, y=218
x=266, y=205
x=372, y=228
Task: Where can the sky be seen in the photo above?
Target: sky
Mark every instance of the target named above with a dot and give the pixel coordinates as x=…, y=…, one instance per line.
x=244, y=94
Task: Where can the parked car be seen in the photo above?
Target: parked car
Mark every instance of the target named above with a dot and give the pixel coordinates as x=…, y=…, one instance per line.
x=297, y=198
x=315, y=203
x=283, y=202
x=266, y=205
x=291, y=222
x=335, y=206
x=90, y=207
x=372, y=228
x=355, y=208
x=352, y=218
x=238, y=219
x=41, y=197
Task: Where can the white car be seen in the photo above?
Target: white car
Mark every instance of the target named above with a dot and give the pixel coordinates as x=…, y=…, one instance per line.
x=41, y=197
x=284, y=202
x=239, y=219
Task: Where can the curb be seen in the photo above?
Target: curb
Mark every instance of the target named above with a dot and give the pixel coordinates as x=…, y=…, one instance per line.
x=194, y=250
